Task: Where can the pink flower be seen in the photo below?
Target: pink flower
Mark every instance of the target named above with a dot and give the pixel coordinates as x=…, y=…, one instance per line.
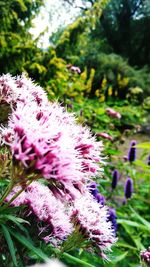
x=20, y=89
x=112, y=113
x=30, y=92
x=8, y=89
x=52, y=144
x=93, y=220
x=46, y=142
x=73, y=68
x=105, y=135
x=43, y=204
x=46, y=139
x=89, y=150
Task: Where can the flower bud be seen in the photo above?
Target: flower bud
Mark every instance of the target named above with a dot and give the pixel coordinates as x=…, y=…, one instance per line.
x=115, y=177
x=128, y=189
x=132, y=151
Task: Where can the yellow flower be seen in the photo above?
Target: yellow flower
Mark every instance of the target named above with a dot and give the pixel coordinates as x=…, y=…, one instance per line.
x=110, y=90
x=122, y=81
x=97, y=93
x=102, y=98
x=104, y=83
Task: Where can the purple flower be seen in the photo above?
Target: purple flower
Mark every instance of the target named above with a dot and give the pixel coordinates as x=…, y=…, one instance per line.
x=95, y=193
x=112, y=217
x=132, y=151
x=148, y=160
x=100, y=199
x=115, y=178
x=93, y=189
x=128, y=189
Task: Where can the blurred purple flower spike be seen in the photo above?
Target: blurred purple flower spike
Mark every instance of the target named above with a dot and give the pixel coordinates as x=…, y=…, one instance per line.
x=132, y=151
x=100, y=199
x=115, y=178
x=112, y=217
x=128, y=189
x=93, y=189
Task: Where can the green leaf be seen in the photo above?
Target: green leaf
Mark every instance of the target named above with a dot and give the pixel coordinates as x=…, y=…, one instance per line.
x=77, y=260
x=24, y=241
x=143, y=165
x=145, y=145
x=120, y=257
x=16, y=220
x=137, y=241
x=140, y=218
x=10, y=244
x=133, y=224
x=125, y=245
x=13, y=218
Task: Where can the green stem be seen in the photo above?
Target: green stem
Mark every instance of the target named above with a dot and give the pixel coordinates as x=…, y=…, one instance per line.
x=16, y=195
x=61, y=254
x=7, y=191
x=74, y=259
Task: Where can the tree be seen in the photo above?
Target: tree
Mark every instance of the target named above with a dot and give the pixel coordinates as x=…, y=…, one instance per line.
x=16, y=42
x=126, y=25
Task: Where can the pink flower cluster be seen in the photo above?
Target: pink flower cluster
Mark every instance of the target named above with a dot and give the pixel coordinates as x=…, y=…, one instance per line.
x=93, y=220
x=44, y=139
x=20, y=89
x=47, y=208
x=112, y=113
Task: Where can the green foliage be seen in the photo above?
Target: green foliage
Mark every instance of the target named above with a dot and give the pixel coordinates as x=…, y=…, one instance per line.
x=103, y=45
x=16, y=42
x=94, y=114
x=132, y=216
x=126, y=25
x=146, y=103
x=84, y=45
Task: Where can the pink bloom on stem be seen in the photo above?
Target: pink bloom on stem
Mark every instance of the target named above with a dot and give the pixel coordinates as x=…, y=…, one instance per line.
x=14, y=90
x=112, y=113
x=89, y=150
x=52, y=143
x=93, y=220
x=105, y=136
x=8, y=89
x=43, y=204
x=47, y=140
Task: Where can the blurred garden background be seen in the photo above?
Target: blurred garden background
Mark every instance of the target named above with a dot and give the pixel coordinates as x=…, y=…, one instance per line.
x=96, y=64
